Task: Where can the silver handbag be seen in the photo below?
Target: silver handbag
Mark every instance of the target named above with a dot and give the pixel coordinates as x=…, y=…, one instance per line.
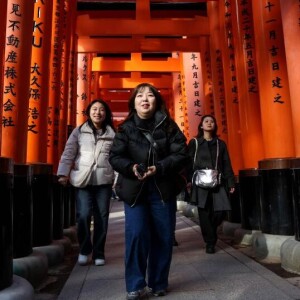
x=206, y=178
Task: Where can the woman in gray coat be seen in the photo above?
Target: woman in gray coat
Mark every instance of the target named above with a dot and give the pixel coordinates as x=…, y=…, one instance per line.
x=211, y=203
x=84, y=163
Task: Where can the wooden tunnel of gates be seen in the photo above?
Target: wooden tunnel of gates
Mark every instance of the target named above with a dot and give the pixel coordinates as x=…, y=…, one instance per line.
x=238, y=60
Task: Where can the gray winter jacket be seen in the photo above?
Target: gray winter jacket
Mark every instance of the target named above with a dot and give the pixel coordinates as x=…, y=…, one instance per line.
x=85, y=157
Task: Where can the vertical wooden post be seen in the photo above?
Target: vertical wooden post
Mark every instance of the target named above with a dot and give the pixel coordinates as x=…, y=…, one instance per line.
x=72, y=91
x=143, y=10
x=65, y=75
x=39, y=82
x=168, y=96
x=290, y=12
x=54, y=84
x=177, y=96
x=95, y=85
x=83, y=63
x=194, y=91
x=231, y=86
x=16, y=79
x=217, y=69
x=3, y=14
x=207, y=76
x=273, y=82
x=247, y=83
x=184, y=122
x=93, y=79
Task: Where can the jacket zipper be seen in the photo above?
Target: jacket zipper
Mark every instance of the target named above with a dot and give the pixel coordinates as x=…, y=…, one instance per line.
x=162, y=200
x=137, y=195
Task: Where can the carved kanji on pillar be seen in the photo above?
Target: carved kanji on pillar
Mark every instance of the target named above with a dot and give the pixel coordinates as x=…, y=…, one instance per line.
x=273, y=81
x=16, y=79
x=39, y=82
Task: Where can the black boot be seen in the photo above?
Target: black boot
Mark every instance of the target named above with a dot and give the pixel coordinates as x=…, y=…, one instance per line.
x=210, y=249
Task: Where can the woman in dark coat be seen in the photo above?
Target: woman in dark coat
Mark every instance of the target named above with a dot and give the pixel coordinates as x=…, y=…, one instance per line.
x=147, y=152
x=211, y=203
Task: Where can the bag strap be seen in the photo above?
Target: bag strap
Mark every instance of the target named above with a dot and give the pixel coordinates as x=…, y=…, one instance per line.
x=196, y=150
x=149, y=137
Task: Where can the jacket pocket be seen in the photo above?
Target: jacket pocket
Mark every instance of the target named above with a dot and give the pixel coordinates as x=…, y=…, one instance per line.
x=127, y=189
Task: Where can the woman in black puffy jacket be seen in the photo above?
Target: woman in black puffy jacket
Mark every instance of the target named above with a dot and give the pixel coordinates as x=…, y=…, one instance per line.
x=148, y=152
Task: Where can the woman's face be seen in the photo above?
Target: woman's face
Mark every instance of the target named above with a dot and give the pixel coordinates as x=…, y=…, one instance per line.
x=97, y=114
x=208, y=124
x=145, y=103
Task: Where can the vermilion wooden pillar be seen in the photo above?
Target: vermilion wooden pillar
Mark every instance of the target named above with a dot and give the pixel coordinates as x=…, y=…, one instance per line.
x=16, y=79
x=3, y=13
x=54, y=83
x=39, y=82
x=184, y=122
x=95, y=94
x=231, y=86
x=194, y=91
x=92, y=79
x=83, y=87
x=207, y=76
x=290, y=12
x=73, y=69
x=94, y=82
x=273, y=81
x=217, y=69
x=170, y=102
x=177, y=97
x=166, y=94
x=247, y=83
x=65, y=75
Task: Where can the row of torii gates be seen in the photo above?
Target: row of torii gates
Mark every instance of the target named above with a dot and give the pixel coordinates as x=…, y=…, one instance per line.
x=240, y=63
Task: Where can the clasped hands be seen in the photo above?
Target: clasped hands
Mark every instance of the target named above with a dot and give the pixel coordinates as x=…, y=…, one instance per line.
x=150, y=171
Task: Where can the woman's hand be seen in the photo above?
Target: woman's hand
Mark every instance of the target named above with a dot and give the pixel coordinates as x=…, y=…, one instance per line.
x=149, y=172
x=231, y=190
x=189, y=187
x=63, y=180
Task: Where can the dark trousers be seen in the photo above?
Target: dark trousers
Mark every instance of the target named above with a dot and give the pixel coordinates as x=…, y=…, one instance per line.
x=149, y=230
x=209, y=221
x=93, y=201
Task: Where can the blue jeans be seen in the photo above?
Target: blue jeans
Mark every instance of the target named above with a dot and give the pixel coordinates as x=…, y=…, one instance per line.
x=149, y=230
x=93, y=200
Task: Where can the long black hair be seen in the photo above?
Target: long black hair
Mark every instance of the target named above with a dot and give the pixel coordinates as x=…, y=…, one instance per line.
x=108, y=118
x=200, y=126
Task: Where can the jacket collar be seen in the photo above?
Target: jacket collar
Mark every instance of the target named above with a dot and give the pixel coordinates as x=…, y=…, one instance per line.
x=159, y=117
x=86, y=128
x=202, y=140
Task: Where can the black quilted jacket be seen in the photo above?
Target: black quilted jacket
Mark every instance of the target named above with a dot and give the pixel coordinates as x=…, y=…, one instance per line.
x=131, y=147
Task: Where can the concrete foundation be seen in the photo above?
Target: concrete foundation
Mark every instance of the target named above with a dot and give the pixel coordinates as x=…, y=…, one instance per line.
x=20, y=289
x=290, y=255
